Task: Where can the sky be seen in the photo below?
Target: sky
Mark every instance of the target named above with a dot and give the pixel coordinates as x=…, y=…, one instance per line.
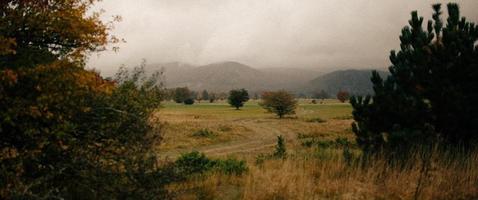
x=261, y=33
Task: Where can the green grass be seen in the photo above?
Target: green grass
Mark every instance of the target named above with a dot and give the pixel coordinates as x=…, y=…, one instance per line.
x=306, y=110
x=250, y=124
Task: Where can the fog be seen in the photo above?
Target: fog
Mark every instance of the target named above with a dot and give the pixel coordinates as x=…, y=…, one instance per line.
x=269, y=33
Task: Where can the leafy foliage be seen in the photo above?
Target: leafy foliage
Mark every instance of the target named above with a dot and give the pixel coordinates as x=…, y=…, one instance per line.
x=343, y=96
x=205, y=95
x=196, y=163
x=322, y=94
x=181, y=94
x=280, y=102
x=67, y=132
x=189, y=101
x=430, y=93
x=40, y=32
x=280, y=151
x=237, y=98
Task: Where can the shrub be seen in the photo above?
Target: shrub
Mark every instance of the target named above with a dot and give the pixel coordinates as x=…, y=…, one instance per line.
x=196, y=163
x=317, y=120
x=189, y=101
x=181, y=94
x=280, y=151
x=193, y=163
x=204, y=133
x=231, y=166
x=343, y=96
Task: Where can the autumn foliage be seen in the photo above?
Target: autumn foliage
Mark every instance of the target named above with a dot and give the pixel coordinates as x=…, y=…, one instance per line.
x=65, y=131
x=343, y=96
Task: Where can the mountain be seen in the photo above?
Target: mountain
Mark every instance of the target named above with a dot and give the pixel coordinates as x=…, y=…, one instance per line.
x=224, y=76
x=354, y=81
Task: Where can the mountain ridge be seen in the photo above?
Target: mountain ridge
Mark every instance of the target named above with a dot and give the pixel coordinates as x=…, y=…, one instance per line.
x=227, y=75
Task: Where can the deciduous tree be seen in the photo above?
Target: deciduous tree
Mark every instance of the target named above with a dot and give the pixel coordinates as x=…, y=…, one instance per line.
x=237, y=98
x=343, y=96
x=280, y=102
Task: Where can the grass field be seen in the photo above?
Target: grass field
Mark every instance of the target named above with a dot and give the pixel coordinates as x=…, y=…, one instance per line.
x=316, y=167
x=248, y=130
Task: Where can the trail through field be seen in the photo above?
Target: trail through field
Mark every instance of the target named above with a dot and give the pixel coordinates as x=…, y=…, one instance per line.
x=264, y=137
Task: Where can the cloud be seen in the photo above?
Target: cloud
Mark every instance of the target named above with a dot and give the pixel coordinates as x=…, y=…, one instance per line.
x=269, y=33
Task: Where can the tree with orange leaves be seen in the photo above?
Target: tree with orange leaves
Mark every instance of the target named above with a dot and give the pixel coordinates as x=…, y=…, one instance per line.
x=65, y=131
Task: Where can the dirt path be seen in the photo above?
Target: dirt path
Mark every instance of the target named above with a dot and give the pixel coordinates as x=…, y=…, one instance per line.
x=264, y=137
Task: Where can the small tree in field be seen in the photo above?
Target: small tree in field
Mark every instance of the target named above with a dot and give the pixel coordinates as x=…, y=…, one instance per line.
x=189, y=101
x=280, y=102
x=181, y=94
x=321, y=95
x=280, y=151
x=343, y=96
x=205, y=95
x=237, y=98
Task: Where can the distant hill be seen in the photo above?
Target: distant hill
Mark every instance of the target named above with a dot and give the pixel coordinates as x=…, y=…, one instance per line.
x=224, y=76
x=354, y=81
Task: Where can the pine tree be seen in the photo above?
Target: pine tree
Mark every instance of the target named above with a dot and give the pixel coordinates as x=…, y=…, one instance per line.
x=431, y=91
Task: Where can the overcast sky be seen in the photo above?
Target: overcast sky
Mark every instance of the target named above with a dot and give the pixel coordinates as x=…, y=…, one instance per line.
x=262, y=33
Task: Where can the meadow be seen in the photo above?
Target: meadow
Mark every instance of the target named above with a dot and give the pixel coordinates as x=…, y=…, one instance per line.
x=322, y=162
x=248, y=130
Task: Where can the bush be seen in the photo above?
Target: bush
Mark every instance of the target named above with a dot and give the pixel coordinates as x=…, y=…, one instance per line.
x=192, y=163
x=189, y=101
x=343, y=96
x=204, y=133
x=231, y=166
x=196, y=163
x=280, y=151
x=317, y=120
x=181, y=94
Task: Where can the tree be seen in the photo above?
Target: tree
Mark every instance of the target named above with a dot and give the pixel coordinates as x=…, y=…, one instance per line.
x=280, y=102
x=342, y=96
x=212, y=97
x=205, y=95
x=67, y=132
x=40, y=32
x=431, y=91
x=237, y=98
x=189, y=101
x=322, y=94
x=181, y=94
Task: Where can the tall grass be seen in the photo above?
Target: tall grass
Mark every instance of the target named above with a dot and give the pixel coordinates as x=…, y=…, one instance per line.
x=442, y=175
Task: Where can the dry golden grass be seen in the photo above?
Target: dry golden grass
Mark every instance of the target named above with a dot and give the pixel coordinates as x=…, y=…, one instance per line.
x=250, y=130
x=332, y=178
x=308, y=172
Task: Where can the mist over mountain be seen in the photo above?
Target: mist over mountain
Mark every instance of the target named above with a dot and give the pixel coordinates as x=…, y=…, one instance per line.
x=224, y=76
x=353, y=81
